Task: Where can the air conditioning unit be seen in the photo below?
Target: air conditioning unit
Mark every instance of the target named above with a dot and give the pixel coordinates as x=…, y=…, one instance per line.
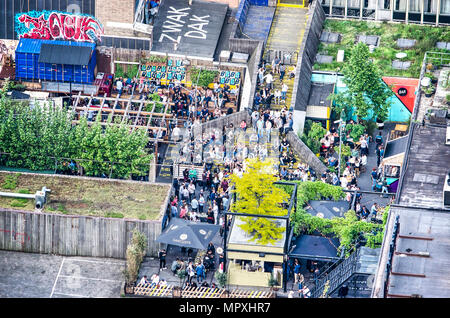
x=447, y=190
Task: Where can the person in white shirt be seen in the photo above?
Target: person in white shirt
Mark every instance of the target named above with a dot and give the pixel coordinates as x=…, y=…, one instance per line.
x=155, y=279
x=284, y=89
x=143, y=280
x=191, y=190
x=176, y=132
x=216, y=212
x=269, y=80
x=119, y=86
x=364, y=160
x=277, y=96
x=268, y=129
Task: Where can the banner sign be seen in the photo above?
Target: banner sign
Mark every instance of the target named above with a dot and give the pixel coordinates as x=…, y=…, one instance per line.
x=55, y=25
x=173, y=70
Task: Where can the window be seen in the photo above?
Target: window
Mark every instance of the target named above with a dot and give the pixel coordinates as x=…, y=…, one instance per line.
x=445, y=7
x=400, y=5
x=430, y=6
x=414, y=5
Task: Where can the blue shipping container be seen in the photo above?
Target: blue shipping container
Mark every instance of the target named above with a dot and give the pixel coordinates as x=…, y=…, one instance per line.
x=29, y=68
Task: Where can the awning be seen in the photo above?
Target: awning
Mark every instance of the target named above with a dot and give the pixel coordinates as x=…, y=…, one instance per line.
x=316, y=248
x=188, y=234
x=65, y=54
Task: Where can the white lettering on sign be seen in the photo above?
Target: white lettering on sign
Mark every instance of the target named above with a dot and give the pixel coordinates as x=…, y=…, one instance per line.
x=175, y=22
x=199, y=33
x=170, y=26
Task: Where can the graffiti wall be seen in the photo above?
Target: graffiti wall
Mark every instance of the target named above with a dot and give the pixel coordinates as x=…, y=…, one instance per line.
x=54, y=25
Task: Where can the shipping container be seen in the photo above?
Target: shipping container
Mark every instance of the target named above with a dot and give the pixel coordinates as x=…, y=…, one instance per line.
x=28, y=67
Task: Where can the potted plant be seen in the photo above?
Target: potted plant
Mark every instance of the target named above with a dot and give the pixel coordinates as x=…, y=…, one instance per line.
x=432, y=77
x=448, y=99
x=273, y=283
x=221, y=279
x=428, y=91
x=181, y=275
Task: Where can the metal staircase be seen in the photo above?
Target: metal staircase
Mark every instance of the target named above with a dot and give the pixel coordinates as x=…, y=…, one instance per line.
x=337, y=276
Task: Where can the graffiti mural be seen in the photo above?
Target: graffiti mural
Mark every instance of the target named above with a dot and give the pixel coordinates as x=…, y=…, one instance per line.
x=54, y=25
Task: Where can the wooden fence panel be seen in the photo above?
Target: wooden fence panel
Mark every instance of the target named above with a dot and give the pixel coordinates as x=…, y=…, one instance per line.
x=72, y=235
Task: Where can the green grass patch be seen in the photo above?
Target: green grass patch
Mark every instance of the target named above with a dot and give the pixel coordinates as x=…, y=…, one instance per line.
x=80, y=196
x=426, y=37
x=10, y=181
x=115, y=215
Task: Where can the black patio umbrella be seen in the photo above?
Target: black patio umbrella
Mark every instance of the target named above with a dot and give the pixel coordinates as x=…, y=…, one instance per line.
x=188, y=234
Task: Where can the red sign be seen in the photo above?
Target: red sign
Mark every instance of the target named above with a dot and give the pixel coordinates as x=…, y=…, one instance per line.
x=404, y=89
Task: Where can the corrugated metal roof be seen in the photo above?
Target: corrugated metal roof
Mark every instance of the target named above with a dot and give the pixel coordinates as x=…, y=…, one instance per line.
x=34, y=46
x=64, y=54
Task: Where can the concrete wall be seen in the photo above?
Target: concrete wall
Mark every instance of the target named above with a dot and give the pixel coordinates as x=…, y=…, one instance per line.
x=310, y=44
x=36, y=232
x=235, y=119
x=252, y=68
x=305, y=153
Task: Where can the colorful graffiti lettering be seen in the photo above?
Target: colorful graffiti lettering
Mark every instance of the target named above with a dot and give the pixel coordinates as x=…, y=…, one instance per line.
x=52, y=25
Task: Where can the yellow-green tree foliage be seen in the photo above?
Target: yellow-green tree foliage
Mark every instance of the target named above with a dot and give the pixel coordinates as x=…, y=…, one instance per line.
x=256, y=193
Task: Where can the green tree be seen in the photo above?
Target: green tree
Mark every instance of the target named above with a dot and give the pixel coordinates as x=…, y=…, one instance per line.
x=257, y=194
x=312, y=138
x=366, y=91
x=347, y=229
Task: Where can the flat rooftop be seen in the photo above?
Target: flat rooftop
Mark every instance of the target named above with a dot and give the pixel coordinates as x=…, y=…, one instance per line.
x=428, y=164
x=319, y=93
x=421, y=262
x=196, y=27
x=239, y=236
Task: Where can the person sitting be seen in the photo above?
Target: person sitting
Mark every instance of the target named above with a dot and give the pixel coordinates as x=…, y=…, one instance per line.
x=205, y=284
x=175, y=266
x=155, y=280
x=144, y=280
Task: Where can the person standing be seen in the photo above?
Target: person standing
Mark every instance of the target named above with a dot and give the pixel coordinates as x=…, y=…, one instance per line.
x=201, y=202
x=216, y=212
x=194, y=204
x=297, y=268
x=190, y=272
x=282, y=71
x=162, y=259
x=260, y=129
x=269, y=80
x=284, y=89
x=200, y=270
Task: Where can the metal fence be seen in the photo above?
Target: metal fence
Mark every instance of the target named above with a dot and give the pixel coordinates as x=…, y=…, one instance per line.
x=73, y=166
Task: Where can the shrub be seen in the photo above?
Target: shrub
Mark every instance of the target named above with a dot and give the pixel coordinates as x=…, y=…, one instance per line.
x=135, y=254
x=204, y=77
x=221, y=279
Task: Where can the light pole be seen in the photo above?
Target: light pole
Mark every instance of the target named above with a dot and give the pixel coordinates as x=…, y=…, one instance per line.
x=341, y=125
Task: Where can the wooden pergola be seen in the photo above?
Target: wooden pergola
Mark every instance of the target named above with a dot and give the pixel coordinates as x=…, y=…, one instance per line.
x=126, y=114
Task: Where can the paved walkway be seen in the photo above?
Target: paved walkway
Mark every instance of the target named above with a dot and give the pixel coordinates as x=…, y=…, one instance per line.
x=258, y=22
x=288, y=28
x=32, y=275
x=286, y=35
